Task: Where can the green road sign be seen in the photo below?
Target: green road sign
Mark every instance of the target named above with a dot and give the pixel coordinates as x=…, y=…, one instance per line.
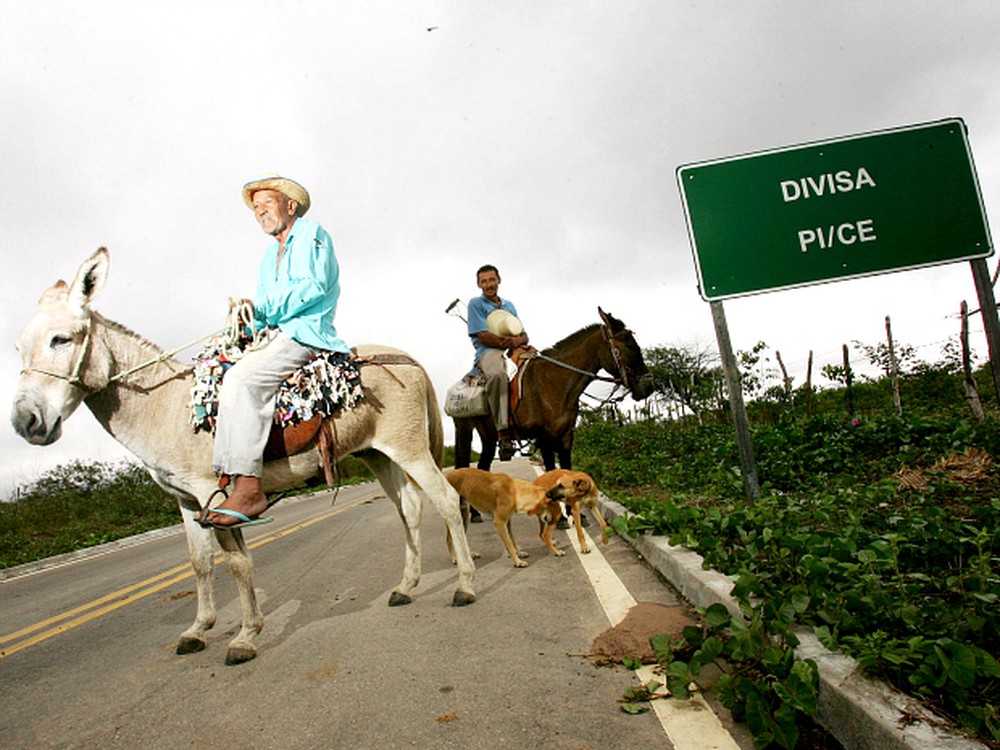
x=855, y=206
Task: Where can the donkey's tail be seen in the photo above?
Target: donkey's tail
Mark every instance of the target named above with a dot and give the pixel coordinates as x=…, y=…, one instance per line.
x=435, y=426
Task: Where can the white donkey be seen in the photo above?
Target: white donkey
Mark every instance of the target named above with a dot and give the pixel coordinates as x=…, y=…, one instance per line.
x=70, y=353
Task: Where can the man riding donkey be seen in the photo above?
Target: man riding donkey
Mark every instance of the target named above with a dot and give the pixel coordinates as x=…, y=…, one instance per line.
x=298, y=286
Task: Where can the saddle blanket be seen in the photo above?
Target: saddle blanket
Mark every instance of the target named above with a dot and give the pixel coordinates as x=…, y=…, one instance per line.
x=323, y=386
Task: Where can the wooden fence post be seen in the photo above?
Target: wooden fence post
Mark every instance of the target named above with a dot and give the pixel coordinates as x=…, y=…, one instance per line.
x=848, y=381
x=971, y=390
x=810, y=401
x=787, y=381
x=893, y=370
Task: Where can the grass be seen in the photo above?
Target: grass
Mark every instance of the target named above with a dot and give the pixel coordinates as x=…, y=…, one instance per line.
x=81, y=505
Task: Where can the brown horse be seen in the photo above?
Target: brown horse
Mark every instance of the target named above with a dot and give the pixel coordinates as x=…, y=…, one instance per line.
x=551, y=384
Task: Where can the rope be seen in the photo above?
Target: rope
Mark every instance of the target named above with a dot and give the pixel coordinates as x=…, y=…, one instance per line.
x=240, y=315
x=594, y=375
x=163, y=357
x=240, y=318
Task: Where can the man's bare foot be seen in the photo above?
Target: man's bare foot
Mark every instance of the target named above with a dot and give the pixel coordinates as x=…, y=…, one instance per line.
x=247, y=500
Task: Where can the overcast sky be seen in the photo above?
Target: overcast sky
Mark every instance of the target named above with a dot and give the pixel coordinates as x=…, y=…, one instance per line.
x=437, y=136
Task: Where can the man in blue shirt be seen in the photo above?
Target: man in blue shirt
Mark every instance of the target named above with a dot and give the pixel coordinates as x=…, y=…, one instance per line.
x=490, y=348
x=298, y=285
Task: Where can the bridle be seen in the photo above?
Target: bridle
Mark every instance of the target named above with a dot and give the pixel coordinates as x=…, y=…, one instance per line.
x=73, y=378
x=616, y=355
x=625, y=376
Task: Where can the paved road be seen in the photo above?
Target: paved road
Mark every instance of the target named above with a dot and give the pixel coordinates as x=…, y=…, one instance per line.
x=88, y=647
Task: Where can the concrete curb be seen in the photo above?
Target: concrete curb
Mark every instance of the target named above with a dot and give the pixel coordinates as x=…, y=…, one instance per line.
x=861, y=713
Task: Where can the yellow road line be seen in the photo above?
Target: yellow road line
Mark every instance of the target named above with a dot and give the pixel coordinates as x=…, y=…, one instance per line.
x=120, y=594
x=92, y=610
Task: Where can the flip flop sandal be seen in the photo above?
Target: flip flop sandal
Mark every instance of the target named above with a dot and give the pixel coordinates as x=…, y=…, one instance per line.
x=243, y=520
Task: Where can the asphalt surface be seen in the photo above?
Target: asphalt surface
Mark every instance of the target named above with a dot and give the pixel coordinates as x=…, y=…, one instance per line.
x=87, y=643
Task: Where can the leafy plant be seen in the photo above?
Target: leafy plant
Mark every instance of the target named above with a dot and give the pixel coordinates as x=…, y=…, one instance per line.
x=765, y=686
x=905, y=579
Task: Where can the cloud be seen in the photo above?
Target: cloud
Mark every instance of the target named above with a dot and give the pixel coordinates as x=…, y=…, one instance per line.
x=542, y=137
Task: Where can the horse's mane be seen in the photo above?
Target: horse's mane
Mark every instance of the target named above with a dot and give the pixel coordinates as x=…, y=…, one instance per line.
x=573, y=339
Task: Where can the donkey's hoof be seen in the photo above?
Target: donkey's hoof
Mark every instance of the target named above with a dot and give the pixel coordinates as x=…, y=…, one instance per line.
x=397, y=599
x=190, y=646
x=239, y=655
x=463, y=599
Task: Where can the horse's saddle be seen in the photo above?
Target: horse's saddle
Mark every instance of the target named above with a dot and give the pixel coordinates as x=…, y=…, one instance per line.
x=520, y=357
x=287, y=440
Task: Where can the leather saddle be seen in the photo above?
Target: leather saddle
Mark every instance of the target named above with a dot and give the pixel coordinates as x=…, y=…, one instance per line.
x=292, y=439
x=520, y=357
x=289, y=440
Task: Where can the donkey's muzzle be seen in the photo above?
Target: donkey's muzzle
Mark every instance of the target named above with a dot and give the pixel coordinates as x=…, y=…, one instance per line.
x=30, y=423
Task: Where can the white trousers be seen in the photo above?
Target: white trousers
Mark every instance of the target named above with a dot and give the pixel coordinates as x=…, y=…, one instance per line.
x=246, y=402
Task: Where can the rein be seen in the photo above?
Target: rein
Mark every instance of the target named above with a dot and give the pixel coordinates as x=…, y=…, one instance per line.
x=162, y=358
x=567, y=366
x=609, y=339
x=237, y=314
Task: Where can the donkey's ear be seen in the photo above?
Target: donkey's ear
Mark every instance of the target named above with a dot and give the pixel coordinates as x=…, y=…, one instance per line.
x=56, y=293
x=89, y=280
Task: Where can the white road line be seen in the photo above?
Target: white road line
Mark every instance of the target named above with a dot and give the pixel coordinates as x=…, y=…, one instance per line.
x=689, y=724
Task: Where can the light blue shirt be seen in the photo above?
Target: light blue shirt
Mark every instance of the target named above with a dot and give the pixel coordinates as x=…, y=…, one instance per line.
x=479, y=309
x=299, y=294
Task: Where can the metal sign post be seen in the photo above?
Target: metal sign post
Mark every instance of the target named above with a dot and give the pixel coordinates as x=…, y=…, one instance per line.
x=740, y=421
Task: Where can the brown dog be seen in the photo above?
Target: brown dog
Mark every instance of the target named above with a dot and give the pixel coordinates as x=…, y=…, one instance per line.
x=503, y=496
x=583, y=492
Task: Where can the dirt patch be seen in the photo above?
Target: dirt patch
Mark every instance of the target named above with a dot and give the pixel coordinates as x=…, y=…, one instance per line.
x=968, y=468
x=631, y=636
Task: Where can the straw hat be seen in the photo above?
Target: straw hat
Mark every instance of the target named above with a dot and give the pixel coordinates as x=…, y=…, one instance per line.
x=283, y=185
x=502, y=323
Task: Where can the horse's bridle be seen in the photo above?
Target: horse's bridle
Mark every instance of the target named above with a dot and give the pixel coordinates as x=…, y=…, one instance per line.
x=624, y=373
x=616, y=354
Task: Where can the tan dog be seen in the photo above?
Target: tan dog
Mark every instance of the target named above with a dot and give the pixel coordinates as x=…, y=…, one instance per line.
x=502, y=496
x=583, y=492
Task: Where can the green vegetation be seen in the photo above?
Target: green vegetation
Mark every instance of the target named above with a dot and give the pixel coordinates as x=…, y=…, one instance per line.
x=78, y=505
x=877, y=526
x=880, y=531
